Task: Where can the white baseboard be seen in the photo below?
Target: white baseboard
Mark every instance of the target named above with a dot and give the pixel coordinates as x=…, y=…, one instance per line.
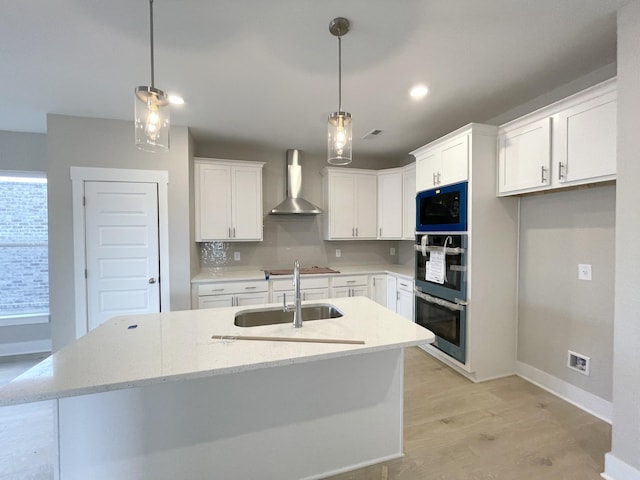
x=615, y=469
x=23, y=348
x=582, y=399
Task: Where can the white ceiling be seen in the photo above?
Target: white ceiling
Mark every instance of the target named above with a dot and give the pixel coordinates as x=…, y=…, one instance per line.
x=265, y=71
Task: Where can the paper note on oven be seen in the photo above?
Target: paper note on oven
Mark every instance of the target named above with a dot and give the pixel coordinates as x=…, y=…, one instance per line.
x=435, y=268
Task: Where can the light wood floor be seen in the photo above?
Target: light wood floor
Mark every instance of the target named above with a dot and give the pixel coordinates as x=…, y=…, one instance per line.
x=506, y=429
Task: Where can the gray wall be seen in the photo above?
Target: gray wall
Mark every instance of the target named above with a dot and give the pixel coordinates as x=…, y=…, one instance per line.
x=24, y=152
x=626, y=373
x=287, y=238
x=88, y=142
x=556, y=311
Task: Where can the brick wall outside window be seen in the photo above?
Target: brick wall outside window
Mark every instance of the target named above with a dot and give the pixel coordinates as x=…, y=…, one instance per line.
x=24, y=282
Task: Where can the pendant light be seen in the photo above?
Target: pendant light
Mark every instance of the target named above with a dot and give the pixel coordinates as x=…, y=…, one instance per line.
x=339, y=138
x=151, y=110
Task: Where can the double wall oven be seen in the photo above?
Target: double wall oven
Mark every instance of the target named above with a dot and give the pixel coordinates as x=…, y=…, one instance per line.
x=441, y=267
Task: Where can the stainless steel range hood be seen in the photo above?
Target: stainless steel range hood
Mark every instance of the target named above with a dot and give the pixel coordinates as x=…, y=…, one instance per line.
x=294, y=204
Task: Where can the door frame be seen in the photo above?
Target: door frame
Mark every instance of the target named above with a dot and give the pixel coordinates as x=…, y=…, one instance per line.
x=79, y=175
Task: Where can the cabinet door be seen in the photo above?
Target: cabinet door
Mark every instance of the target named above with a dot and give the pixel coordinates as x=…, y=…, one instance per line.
x=340, y=292
x=427, y=168
x=315, y=294
x=405, y=304
x=366, y=206
x=216, y=301
x=525, y=158
x=392, y=296
x=278, y=297
x=586, y=141
x=342, y=200
x=247, y=203
x=378, y=289
x=409, y=203
x=390, y=204
x=359, y=291
x=454, y=161
x=245, y=299
x=213, y=202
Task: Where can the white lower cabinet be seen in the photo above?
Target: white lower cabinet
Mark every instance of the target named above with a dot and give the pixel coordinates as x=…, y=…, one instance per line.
x=232, y=294
x=378, y=289
x=404, y=298
x=349, y=286
x=311, y=288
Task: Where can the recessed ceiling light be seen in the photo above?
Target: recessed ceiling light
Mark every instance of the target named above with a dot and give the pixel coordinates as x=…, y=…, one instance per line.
x=418, y=91
x=176, y=100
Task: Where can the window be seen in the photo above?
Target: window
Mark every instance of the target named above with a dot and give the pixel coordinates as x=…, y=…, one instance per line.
x=24, y=271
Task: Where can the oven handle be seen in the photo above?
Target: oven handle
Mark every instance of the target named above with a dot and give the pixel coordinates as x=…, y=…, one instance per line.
x=459, y=305
x=446, y=250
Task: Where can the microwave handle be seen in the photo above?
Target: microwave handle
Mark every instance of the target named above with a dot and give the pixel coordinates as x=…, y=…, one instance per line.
x=459, y=305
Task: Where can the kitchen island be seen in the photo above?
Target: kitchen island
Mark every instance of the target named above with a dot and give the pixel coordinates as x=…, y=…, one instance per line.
x=155, y=396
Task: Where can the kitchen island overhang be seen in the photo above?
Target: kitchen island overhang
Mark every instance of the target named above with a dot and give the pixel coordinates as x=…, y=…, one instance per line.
x=165, y=400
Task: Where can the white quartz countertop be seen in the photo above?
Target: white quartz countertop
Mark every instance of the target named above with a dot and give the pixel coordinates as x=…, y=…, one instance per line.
x=178, y=346
x=234, y=274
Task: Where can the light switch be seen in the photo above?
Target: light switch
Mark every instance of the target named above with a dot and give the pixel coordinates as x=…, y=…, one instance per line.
x=338, y=253
x=236, y=256
x=584, y=271
x=392, y=251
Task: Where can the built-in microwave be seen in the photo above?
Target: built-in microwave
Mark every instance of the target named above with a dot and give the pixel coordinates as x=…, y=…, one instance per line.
x=442, y=209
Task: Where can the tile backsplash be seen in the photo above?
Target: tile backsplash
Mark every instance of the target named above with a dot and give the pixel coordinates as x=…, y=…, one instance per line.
x=287, y=238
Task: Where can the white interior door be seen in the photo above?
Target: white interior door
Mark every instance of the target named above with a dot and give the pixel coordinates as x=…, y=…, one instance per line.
x=122, y=255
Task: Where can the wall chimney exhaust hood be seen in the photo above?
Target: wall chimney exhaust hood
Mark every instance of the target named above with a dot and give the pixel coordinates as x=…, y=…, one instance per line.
x=294, y=204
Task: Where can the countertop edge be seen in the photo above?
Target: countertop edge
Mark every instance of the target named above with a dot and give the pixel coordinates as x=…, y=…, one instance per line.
x=55, y=395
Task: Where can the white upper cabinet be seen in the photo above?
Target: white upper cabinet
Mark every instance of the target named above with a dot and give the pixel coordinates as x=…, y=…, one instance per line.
x=390, y=204
x=228, y=200
x=409, y=202
x=585, y=140
x=442, y=162
x=570, y=142
x=350, y=203
x=525, y=157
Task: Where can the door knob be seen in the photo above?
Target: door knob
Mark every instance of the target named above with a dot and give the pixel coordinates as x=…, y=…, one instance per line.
x=152, y=280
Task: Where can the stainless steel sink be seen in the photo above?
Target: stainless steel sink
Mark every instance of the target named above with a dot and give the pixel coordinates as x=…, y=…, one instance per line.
x=273, y=315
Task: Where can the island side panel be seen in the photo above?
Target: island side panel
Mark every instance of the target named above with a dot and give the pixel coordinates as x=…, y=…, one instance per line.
x=305, y=420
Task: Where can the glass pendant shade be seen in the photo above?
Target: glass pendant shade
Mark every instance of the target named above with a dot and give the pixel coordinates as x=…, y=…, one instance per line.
x=339, y=138
x=152, y=118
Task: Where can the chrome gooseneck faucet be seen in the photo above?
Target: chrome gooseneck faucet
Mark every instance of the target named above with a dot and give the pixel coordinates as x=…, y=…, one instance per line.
x=296, y=307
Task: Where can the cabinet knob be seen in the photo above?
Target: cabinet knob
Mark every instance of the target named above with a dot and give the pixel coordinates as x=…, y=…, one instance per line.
x=152, y=280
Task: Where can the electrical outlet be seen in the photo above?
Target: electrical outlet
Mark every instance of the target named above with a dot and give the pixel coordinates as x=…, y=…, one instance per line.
x=236, y=256
x=338, y=253
x=578, y=362
x=584, y=271
x=392, y=251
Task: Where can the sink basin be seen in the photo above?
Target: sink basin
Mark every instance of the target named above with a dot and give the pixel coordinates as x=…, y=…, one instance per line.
x=271, y=316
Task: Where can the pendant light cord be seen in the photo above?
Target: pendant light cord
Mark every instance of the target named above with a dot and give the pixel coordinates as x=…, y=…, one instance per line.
x=339, y=74
x=151, y=40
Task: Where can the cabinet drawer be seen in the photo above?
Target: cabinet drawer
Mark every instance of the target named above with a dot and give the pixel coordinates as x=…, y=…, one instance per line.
x=349, y=280
x=283, y=284
x=229, y=288
x=405, y=285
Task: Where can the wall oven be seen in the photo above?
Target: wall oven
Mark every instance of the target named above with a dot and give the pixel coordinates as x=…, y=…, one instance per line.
x=441, y=289
x=442, y=209
x=447, y=320
x=448, y=253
